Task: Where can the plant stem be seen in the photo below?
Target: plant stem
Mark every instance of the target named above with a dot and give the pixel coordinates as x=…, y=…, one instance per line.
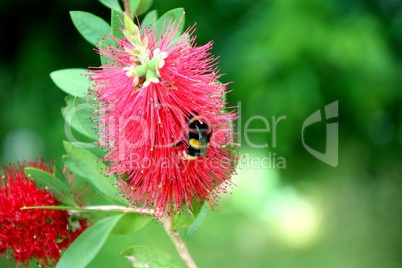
x=167, y=223
x=127, y=8
x=178, y=242
x=121, y=209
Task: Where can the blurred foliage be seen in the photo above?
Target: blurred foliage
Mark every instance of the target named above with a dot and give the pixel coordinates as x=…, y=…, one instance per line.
x=286, y=58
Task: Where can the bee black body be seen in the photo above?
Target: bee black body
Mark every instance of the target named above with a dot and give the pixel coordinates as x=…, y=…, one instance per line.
x=198, y=137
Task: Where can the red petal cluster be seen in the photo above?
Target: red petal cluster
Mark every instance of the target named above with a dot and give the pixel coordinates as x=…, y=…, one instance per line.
x=141, y=123
x=27, y=235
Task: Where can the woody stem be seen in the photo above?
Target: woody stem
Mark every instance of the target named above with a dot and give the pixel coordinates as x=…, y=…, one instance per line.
x=178, y=242
x=127, y=8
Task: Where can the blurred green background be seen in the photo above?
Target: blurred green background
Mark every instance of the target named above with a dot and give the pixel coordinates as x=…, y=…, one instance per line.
x=287, y=59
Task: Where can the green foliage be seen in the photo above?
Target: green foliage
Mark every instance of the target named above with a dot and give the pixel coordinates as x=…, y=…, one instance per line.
x=72, y=81
x=133, y=5
x=91, y=27
x=303, y=56
x=46, y=181
x=84, y=111
x=117, y=24
x=183, y=220
x=143, y=6
x=200, y=213
x=87, y=245
x=112, y=4
x=150, y=18
x=190, y=220
x=131, y=222
x=137, y=7
x=71, y=119
x=87, y=165
x=174, y=18
x=143, y=257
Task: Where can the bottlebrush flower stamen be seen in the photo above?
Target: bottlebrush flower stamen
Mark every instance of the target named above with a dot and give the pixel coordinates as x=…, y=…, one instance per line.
x=34, y=234
x=144, y=62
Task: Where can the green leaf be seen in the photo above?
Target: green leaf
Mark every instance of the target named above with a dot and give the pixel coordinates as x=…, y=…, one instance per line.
x=174, y=17
x=117, y=17
x=131, y=222
x=81, y=252
x=190, y=231
x=183, y=220
x=71, y=120
x=103, y=44
x=86, y=165
x=46, y=181
x=72, y=81
x=133, y=6
x=196, y=208
x=144, y=6
x=68, y=115
x=91, y=27
x=60, y=175
x=117, y=26
x=84, y=112
x=150, y=18
x=112, y=4
x=97, y=151
x=144, y=257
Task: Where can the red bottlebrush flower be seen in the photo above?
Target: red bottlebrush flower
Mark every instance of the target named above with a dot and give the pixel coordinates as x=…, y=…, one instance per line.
x=162, y=118
x=39, y=234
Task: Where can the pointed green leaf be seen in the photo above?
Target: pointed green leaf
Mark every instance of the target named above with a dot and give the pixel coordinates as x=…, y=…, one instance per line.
x=200, y=217
x=133, y=6
x=144, y=257
x=60, y=175
x=131, y=222
x=91, y=27
x=46, y=181
x=97, y=151
x=112, y=4
x=84, y=112
x=144, y=6
x=116, y=29
x=117, y=26
x=183, y=220
x=150, y=18
x=68, y=115
x=196, y=208
x=86, y=165
x=87, y=245
x=72, y=123
x=104, y=44
x=72, y=81
x=174, y=18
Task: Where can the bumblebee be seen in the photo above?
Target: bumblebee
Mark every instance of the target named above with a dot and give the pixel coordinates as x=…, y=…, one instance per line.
x=198, y=137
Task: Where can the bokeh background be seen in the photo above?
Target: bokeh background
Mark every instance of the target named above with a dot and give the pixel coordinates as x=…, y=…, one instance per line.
x=287, y=59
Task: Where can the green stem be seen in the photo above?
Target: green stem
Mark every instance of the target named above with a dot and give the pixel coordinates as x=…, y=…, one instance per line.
x=94, y=209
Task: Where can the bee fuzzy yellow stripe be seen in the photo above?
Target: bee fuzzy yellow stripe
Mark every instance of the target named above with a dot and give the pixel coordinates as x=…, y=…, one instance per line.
x=194, y=143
